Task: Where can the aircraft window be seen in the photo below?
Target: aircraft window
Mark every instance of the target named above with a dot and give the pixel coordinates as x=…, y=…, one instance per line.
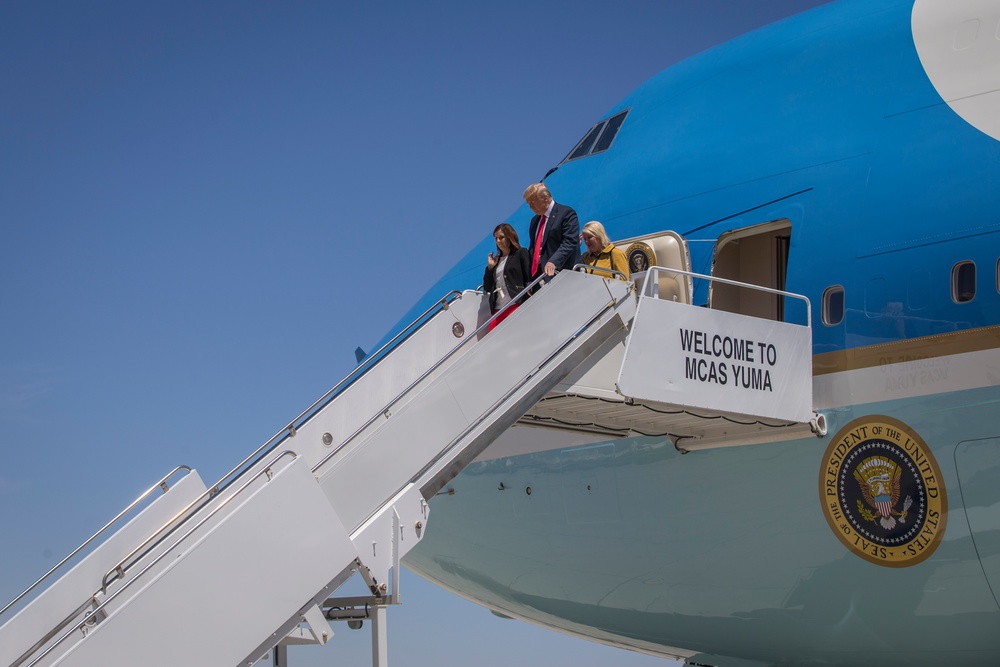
x=610, y=132
x=583, y=148
x=963, y=282
x=599, y=138
x=833, y=305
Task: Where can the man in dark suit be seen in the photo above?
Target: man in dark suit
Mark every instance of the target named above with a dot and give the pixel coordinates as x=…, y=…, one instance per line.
x=554, y=233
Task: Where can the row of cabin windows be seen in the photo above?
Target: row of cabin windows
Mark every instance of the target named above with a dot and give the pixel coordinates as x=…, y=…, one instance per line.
x=963, y=290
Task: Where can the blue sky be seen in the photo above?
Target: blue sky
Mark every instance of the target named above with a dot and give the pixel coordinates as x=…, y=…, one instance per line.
x=206, y=207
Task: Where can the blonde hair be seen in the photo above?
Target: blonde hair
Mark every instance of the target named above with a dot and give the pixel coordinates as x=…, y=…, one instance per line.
x=596, y=229
x=537, y=189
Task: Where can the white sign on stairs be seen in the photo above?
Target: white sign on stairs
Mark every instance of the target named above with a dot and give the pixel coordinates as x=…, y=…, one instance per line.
x=717, y=361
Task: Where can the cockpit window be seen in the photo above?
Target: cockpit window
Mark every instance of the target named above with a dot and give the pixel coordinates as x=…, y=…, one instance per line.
x=583, y=148
x=599, y=138
x=610, y=132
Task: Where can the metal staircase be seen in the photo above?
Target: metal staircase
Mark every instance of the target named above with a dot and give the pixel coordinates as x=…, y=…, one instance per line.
x=341, y=490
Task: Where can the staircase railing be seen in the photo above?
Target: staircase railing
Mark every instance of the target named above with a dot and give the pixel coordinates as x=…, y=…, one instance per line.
x=162, y=484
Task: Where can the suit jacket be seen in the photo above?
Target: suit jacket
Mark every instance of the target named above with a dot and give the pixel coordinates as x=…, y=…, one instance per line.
x=516, y=274
x=561, y=242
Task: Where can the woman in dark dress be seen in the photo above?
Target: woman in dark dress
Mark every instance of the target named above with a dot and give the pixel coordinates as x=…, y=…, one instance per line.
x=507, y=272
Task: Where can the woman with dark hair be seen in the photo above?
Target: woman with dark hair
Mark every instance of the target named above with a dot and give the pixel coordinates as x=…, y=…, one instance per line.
x=507, y=272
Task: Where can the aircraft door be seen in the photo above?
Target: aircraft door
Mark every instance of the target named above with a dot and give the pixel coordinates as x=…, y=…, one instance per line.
x=756, y=255
x=978, y=466
x=667, y=249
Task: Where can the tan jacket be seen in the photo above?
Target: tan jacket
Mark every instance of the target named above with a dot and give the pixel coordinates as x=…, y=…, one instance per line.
x=610, y=258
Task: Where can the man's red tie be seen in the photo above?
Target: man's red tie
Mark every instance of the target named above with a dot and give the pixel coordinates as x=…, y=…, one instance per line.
x=538, y=246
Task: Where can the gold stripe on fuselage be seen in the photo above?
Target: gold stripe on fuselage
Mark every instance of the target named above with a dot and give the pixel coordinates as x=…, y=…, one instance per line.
x=913, y=349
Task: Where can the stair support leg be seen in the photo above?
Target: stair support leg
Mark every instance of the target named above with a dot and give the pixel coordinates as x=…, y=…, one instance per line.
x=380, y=639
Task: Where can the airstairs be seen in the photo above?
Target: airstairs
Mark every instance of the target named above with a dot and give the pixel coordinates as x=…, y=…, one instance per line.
x=343, y=489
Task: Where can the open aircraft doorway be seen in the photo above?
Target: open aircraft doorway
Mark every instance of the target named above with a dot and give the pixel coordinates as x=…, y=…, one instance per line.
x=757, y=255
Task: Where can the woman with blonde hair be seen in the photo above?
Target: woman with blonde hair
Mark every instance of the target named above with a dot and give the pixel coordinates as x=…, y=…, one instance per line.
x=601, y=252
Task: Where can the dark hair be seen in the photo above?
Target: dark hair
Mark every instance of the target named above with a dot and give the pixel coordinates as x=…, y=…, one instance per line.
x=511, y=235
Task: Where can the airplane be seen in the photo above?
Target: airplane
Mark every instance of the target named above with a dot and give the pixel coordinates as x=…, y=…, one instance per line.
x=848, y=154
x=719, y=491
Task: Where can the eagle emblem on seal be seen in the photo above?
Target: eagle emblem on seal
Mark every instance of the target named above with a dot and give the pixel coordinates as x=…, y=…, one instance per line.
x=879, y=480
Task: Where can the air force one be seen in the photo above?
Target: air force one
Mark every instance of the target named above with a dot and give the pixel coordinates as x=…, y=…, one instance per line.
x=778, y=444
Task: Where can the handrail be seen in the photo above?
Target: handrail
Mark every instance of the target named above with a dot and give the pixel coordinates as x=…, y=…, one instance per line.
x=371, y=361
x=510, y=392
x=162, y=484
x=266, y=470
x=761, y=288
x=590, y=268
x=426, y=373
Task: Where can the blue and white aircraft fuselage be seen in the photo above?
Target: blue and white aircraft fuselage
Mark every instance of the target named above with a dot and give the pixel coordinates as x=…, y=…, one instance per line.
x=858, y=145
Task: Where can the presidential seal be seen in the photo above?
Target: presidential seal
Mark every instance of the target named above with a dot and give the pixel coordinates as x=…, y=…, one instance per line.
x=640, y=257
x=882, y=492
